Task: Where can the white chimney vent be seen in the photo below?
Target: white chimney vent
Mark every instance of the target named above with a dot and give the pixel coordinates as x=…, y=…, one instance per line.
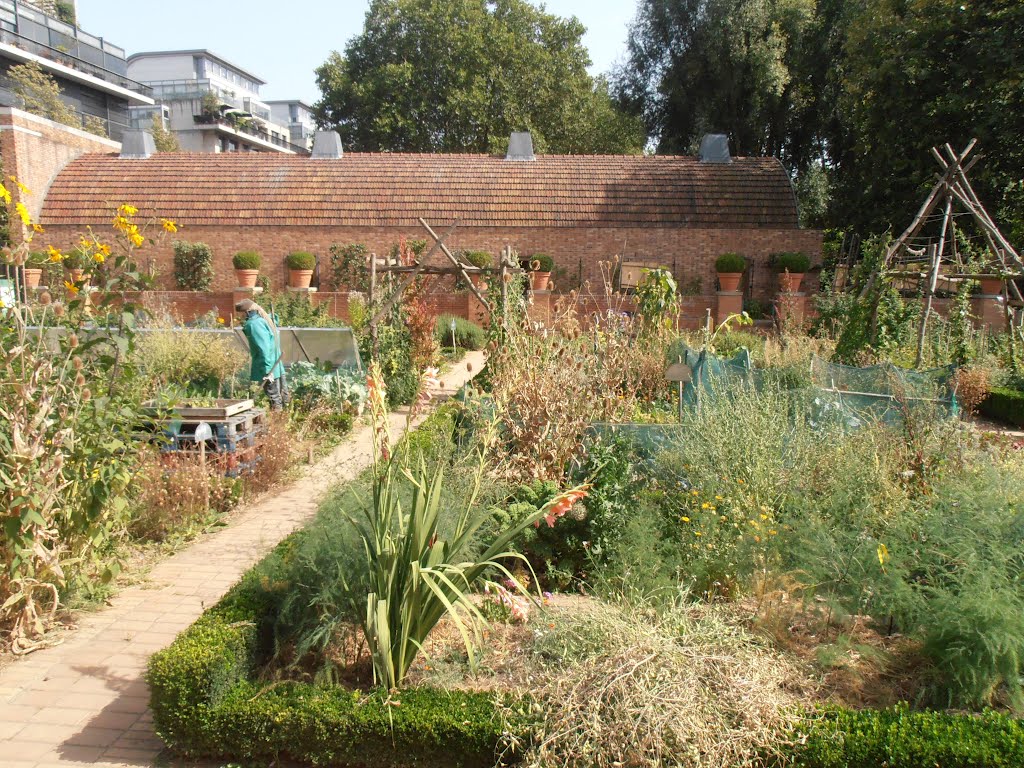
x=137, y=145
x=327, y=145
x=520, y=147
x=714, y=148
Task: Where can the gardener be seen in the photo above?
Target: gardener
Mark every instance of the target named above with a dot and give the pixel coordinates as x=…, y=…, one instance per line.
x=265, y=351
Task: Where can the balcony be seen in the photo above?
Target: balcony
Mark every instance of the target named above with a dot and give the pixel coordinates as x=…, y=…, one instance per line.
x=188, y=90
x=246, y=128
x=66, y=59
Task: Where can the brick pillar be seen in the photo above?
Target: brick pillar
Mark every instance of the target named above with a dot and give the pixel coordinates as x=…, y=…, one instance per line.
x=791, y=310
x=989, y=312
x=539, y=308
x=729, y=303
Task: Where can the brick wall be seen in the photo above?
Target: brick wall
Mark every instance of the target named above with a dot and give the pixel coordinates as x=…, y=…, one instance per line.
x=35, y=150
x=689, y=253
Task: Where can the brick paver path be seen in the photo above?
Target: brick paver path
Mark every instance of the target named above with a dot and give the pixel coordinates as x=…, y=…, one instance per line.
x=85, y=702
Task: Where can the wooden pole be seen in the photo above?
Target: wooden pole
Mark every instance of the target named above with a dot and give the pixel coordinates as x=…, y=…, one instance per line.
x=456, y=262
x=375, y=343
x=504, y=290
x=932, y=282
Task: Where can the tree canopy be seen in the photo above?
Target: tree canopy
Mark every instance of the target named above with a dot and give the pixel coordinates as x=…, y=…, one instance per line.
x=850, y=94
x=462, y=75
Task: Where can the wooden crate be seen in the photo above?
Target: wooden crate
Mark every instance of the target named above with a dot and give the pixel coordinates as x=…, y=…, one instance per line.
x=219, y=411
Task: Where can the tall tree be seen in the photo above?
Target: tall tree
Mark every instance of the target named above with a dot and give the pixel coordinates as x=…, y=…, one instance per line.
x=461, y=75
x=919, y=73
x=699, y=66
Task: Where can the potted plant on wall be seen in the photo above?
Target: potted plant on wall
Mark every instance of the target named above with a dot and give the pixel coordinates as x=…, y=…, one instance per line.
x=247, y=268
x=34, y=264
x=791, y=268
x=730, y=268
x=76, y=261
x=300, y=268
x=480, y=260
x=540, y=271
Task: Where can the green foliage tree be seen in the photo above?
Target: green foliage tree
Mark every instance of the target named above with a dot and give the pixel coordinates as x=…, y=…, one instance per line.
x=165, y=140
x=40, y=94
x=918, y=74
x=699, y=66
x=460, y=76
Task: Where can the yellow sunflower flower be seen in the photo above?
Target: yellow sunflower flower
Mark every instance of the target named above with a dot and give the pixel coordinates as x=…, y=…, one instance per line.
x=169, y=226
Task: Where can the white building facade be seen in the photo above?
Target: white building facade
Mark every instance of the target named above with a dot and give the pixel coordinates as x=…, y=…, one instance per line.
x=210, y=104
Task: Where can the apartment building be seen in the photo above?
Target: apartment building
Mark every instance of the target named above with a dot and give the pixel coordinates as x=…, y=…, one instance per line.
x=298, y=116
x=92, y=72
x=210, y=104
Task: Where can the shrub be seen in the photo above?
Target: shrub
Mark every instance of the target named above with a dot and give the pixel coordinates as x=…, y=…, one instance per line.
x=342, y=389
x=541, y=262
x=246, y=260
x=300, y=260
x=794, y=263
x=175, y=492
x=479, y=259
x=297, y=310
x=190, y=363
x=349, y=267
x=971, y=386
x=899, y=738
x=730, y=262
x=1004, y=405
x=193, y=266
x=468, y=335
x=36, y=259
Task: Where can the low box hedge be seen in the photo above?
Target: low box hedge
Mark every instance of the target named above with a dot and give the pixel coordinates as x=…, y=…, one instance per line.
x=1005, y=406
x=208, y=702
x=901, y=738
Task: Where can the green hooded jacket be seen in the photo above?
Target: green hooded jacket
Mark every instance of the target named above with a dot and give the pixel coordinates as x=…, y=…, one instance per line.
x=263, y=348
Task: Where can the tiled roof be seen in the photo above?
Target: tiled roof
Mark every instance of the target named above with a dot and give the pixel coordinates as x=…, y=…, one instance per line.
x=396, y=189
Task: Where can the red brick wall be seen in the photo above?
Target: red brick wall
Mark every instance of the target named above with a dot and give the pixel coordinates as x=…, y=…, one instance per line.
x=35, y=150
x=690, y=253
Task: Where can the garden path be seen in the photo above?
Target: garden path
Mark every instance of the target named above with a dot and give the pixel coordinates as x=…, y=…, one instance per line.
x=85, y=702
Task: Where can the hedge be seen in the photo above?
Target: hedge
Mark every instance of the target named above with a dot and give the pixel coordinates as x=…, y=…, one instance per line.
x=208, y=702
x=901, y=738
x=1005, y=405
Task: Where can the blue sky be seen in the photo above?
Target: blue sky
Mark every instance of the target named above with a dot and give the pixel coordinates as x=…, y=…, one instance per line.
x=284, y=42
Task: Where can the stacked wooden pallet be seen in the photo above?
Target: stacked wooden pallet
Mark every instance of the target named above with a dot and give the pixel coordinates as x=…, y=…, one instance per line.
x=237, y=431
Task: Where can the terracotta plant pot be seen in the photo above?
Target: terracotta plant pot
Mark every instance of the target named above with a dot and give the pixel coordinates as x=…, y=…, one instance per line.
x=730, y=281
x=299, y=278
x=789, y=282
x=989, y=286
x=33, y=277
x=539, y=281
x=478, y=280
x=246, y=277
x=77, y=275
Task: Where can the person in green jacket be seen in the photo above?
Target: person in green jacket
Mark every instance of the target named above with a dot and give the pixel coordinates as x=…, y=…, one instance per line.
x=265, y=351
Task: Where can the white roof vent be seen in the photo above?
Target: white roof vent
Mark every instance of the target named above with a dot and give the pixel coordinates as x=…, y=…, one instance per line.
x=137, y=145
x=714, y=148
x=327, y=145
x=520, y=147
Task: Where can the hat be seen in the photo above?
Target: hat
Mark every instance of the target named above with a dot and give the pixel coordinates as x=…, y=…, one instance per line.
x=245, y=305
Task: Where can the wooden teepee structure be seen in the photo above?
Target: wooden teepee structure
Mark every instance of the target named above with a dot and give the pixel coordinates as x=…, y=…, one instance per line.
x=954, y=196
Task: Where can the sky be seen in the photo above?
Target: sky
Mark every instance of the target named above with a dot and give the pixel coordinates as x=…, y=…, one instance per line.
x=283, y=43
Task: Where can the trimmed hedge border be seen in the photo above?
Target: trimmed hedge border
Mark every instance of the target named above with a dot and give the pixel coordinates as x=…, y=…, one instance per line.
x=901, y=738
x=206, y=702
x=1005, y=405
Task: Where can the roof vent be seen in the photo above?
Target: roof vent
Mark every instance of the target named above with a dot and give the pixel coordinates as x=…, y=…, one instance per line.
x=327, y=145
x=137, y=145
x=714, y=148
x=520, y=147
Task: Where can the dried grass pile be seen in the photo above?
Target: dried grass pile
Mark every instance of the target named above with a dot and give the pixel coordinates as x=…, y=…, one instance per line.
x=688, y=687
